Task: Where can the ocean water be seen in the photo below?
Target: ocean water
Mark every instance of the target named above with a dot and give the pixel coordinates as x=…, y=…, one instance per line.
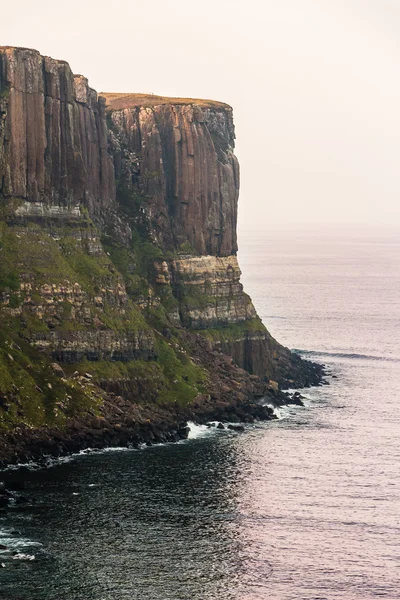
x=304, y=508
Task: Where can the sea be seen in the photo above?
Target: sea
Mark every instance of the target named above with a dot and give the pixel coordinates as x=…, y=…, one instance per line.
x=303, y=508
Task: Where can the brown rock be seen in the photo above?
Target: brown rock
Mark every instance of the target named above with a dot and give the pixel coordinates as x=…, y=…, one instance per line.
x=180, y=157
x=56, y=133
x=57, y=370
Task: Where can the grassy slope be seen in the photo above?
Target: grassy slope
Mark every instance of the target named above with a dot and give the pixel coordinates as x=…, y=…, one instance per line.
x=30, y=392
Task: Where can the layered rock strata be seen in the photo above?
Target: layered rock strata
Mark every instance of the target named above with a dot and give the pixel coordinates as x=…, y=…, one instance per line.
x=210, y=292
x=174, y=159
x=118, y=258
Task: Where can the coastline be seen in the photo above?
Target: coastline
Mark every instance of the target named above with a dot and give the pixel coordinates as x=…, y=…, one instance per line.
x=122, y=423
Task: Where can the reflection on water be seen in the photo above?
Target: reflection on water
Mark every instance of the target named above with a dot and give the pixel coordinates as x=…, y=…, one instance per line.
x=303, y=508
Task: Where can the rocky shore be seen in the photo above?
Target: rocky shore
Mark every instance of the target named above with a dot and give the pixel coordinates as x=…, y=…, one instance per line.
x=235, y=396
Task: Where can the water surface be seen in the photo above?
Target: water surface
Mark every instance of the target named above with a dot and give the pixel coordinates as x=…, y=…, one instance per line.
x=307, y=507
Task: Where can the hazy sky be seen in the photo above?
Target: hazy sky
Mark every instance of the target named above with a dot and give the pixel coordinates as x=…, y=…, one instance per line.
x=315, y=87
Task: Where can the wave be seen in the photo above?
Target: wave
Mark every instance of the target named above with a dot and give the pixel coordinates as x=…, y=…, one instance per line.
x=199, y=431
x=347, y=355
x=23, y=556
x=16, y=547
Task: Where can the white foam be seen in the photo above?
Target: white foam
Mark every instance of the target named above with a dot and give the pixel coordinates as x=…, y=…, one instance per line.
x=196, y=431
x=18, y=544
x=112, y=449
x=282, y=413
x=199, y=431
x=22, y=556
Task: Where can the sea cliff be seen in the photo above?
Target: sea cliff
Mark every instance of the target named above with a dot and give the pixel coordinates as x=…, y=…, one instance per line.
x=121, y=308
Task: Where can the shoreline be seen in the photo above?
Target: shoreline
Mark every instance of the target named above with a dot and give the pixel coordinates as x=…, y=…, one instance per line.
x=234, y=396
x=122, y=424
x=151, y=426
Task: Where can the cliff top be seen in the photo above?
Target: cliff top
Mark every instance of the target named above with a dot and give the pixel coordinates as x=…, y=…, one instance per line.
x=19, y=48
x=119, y=101
x=116, y=101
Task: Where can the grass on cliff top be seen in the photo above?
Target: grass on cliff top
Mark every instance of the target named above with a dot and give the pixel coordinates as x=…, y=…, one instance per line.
x=115, y=101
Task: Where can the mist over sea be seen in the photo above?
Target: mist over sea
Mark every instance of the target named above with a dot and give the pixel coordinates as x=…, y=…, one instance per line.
x=304, y=508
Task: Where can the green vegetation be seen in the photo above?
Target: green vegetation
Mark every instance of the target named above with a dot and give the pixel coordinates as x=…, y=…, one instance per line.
x=5, y=93
x=30, y=391
x=53, y=264
x=171, y=379
x=60, y=282
x=131, y=201
x=185, y=249
x=235, y=331
x=184, y=379
x=116, y=370
x=193, y=298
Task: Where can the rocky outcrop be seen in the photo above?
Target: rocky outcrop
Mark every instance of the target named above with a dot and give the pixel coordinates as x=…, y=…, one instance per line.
x=176, y=160
x=53, y=134
x=210, y=292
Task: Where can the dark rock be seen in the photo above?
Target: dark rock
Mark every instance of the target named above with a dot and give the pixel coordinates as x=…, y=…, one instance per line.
x=21, y=500
x=238, y=428
x=183, y=432
x=57, y=370
x=297, y=400
x=220, y=426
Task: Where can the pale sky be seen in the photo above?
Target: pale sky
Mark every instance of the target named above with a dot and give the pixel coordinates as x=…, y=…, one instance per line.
x=315, y=87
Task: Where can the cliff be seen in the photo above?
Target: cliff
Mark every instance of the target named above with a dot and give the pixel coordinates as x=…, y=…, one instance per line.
x=53, y=134
x=118, y=251
x=174, y=160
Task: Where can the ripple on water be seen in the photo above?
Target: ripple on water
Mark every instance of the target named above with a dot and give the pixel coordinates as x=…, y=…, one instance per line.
x=302, y=508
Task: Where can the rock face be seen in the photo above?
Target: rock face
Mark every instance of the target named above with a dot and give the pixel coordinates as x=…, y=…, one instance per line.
x=53, y=134
x=210, y=291
x=174, y=159
x=118, y=252
x=179, y=159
